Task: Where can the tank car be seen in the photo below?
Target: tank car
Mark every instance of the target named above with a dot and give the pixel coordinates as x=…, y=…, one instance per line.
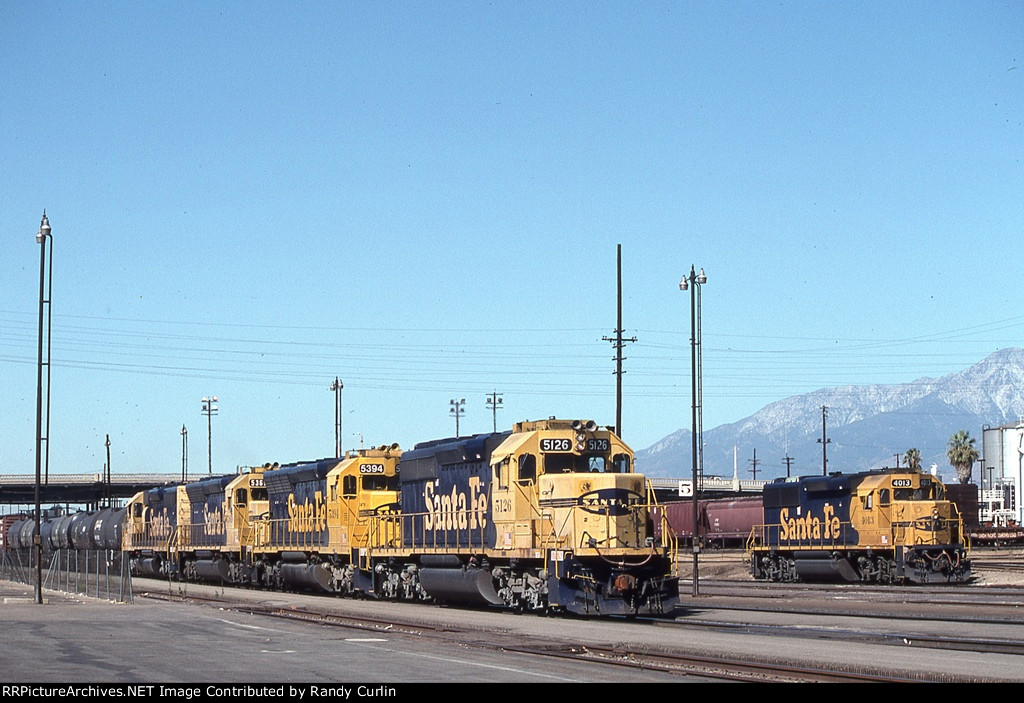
x=7, y=522
x=888, y=526
x=549, y=516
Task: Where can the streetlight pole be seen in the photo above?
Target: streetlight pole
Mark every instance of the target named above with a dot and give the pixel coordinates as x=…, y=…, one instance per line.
x=106, y=477
x=494, y=402
x=209, y=409
x=456, y=409
x=184, y=454
x=693, y=283
x=44, y=299
x=337, y=386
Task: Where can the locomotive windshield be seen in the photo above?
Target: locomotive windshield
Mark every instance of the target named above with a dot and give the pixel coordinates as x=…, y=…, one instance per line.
x=380, y=482
x=922, y=493
x=573, y=463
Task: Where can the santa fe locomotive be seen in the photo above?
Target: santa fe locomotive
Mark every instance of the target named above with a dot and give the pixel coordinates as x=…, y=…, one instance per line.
x=889, y=526
x=549, y=516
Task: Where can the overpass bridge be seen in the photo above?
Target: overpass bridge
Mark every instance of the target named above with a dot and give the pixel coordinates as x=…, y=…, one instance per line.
x=87, y=489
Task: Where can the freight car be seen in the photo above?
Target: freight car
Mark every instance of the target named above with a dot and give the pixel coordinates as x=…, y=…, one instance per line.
x=888, y=526
x=724, y=522
x=81, y=531
x=549, y=516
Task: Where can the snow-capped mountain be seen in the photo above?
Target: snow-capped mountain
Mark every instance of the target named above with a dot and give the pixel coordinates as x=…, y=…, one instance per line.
x=866, y=426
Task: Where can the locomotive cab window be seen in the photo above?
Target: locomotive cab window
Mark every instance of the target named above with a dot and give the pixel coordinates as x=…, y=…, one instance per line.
x=621, y=464
x=241, y=497
x=348, y=486
x=867, y=501
x=260, y=494
x=558, y=463
x=527, y=467
x=501, y=473
x=883, y=496
x=378, y=482
x=572, y=463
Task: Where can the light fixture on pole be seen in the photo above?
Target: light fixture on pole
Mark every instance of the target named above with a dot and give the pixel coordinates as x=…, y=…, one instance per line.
x=494, y=402
x=184, y=454
x=457, y=409
x=337, y=387
x=209, y=409
x=693, y=284
x=106, y=475
x=45, y=290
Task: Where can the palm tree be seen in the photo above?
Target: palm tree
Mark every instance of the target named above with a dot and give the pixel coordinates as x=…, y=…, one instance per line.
x=913, y=459
x=962, y=455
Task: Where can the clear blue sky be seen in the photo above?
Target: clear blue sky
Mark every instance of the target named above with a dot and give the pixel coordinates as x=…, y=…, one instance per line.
x=424, y=199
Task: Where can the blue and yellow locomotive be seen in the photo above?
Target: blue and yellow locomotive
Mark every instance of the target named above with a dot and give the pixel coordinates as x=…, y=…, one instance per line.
x=888, y=526
x=547, y=516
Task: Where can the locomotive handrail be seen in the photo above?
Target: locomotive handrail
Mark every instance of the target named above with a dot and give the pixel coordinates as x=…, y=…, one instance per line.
x=668, y=538
x=759, y=537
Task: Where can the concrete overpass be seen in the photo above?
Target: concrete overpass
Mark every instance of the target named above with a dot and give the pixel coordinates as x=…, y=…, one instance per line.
x=87, y=489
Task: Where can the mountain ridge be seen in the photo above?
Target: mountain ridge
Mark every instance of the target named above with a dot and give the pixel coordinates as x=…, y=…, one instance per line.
x=868, y=426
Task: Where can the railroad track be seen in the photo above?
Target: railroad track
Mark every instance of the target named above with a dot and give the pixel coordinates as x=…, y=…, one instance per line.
x=703, y=667
x=557, y=642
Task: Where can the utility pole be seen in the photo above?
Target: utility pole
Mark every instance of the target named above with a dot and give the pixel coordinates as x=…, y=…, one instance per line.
x=823, y=442
x=618, y=341
x=789, y=463
x=754, y=462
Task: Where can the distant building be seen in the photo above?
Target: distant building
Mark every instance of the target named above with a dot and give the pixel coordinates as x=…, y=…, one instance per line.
x=1002, y=473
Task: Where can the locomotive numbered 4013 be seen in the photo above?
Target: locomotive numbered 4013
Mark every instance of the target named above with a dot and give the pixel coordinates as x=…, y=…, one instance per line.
x=889, y=526
x=547, y=516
